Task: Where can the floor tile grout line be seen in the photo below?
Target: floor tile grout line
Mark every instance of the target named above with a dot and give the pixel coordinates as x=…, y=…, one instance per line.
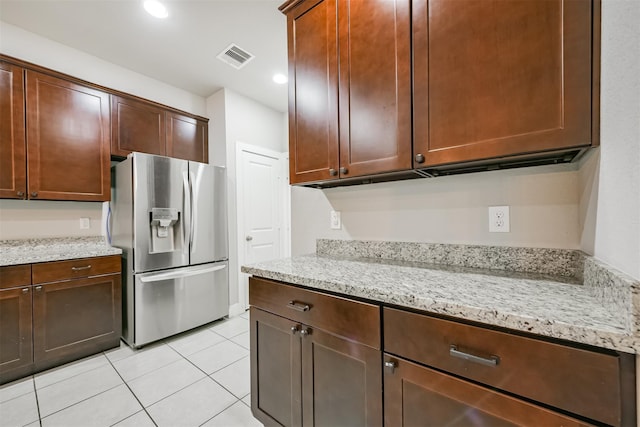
x=35, y=391
x=134, y=396
x=200, y=425
x=79, y=401
x=65, y=366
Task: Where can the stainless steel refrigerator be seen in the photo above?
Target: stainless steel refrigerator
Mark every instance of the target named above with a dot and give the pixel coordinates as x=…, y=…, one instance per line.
x=169, y=217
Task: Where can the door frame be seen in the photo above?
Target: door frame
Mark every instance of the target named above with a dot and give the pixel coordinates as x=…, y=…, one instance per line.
x=284, y=196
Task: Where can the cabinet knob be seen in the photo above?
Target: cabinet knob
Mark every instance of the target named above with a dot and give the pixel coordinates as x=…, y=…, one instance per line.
x=25, y=290
x=34, y=194
x=305, y=332
x=38, y=288
x=333, y=172
x=419, y=158
x=294, y=329
x=248, y=238
x=20, y=194
x=391, y=365
x=344, y=171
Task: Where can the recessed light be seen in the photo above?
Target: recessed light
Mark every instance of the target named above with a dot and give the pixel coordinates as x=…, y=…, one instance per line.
x=155, y=8
x=280, y=78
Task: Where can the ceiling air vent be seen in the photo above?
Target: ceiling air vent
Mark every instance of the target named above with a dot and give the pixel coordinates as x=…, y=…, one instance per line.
x=235, y=56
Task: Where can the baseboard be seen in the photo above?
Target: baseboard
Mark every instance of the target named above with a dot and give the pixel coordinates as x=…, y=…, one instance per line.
x=236, y=309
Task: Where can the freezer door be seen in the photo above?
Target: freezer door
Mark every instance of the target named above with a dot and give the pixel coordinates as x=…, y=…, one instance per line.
x=161, y=212
x=208, y=234
x=170, y=302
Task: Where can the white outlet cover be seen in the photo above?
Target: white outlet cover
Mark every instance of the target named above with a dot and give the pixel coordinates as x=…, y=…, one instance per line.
x=336, y=224
x=499, y=219
x=85, y=223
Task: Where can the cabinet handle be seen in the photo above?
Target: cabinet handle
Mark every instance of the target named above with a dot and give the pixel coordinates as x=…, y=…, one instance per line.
x=419, y=158
x=299, y=306
x=25, y=290
x=490, y=361
x=86, y=267
x=294, y=329
x=34, y=194
x=305, y=332
x=333, y=172
x=344, y=171
x=38, y=288
x=20, y=194
x=391, y=365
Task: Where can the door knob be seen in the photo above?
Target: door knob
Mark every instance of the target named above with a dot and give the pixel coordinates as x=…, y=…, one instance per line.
x=34, y=194
x=248, y=238
x=333, y=172
x=419, y=158
x=344, y=171
x=20, y=193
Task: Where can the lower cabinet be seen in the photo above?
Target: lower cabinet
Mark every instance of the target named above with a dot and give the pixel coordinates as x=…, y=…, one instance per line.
x=72, y=310
x=415, y=395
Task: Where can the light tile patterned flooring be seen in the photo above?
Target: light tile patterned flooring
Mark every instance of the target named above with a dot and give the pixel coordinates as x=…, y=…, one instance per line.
x=200, y=378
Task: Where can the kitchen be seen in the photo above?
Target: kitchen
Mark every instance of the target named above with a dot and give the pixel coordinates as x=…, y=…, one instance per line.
x=591, y=205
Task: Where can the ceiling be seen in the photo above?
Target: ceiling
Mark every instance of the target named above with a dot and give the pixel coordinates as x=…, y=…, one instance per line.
x=180, y=50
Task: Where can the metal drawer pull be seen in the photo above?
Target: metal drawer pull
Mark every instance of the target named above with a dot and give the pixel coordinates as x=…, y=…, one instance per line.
x=25, y=290
x=86, y=267
x=38, y=288
x=391, y=365
x=491, y=361
x=299, y=306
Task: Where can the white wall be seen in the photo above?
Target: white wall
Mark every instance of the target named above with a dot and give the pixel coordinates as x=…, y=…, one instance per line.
x=26, y=219
x=617, y=231
x=249, y=122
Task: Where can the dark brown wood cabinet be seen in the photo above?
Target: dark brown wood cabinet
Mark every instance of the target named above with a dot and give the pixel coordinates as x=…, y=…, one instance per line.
x=67, y=140
x=495, y=78
x=72, y=309
x=350, y=88
x=16, y=354
x=146, y=127
x=13, y=169
x=418, y=396
x=323, y=375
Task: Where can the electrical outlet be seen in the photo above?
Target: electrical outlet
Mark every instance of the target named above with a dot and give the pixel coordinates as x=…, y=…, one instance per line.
x=85, y=223
x=336, y=224
x=499, y=219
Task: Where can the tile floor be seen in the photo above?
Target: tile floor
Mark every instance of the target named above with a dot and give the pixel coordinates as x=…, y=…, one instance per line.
x=200, y=378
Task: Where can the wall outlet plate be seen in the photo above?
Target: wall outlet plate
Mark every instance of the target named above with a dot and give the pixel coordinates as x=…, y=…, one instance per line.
x=336, y=224
x=499, y=219
x=85, y=223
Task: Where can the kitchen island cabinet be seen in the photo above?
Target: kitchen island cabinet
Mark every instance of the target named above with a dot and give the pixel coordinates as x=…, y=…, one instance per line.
x=56, y=312
x=323, y=358
x=350, y=88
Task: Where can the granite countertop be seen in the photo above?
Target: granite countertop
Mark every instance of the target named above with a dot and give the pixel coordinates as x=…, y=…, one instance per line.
x=578, y=298
x=31, y=251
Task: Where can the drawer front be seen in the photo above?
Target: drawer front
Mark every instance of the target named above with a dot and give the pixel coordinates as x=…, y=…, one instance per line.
x=72, y=269
x=581, y=381
x=352, y=320
x=15, y=275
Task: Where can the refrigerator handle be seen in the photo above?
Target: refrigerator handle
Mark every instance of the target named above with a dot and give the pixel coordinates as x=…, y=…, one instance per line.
x=180, y=274
x=186, y=204
x=192, y=230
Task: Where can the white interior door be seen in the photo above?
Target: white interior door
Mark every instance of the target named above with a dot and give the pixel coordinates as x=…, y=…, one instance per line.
x=262, y=202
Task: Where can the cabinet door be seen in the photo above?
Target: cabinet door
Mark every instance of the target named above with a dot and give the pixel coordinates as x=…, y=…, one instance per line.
x=275, y=369
x=341, y=381
x=15, y=333
x=136, y=126
x=187, y=138
x=13, y=165
x=67, y=140
x=495, y=78
x=416, y=395
x=313, y=91
x=375, y=86
x=76, y=318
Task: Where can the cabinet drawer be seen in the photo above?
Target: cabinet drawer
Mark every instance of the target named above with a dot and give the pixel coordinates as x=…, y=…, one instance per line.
x=84, y=267
x=15, y=275
x=584, y=382
x=352, y=320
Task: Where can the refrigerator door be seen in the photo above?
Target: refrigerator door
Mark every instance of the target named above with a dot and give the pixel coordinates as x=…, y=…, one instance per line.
x=170, y=302
x=208, y=233
x=161, y=212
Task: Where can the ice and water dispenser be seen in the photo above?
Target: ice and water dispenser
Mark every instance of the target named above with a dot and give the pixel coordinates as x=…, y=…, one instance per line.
x=164, y=229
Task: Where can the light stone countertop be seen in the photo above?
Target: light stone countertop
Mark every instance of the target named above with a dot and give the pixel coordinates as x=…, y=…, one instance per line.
x=553, y=306
x=31, y=251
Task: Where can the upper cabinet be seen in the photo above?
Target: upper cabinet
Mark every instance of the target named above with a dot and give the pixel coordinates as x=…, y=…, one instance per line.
x=140, y=125
x=13, y=169
x=350, y=88
x=67, y=140
x=495, y=78
x=397, y=88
